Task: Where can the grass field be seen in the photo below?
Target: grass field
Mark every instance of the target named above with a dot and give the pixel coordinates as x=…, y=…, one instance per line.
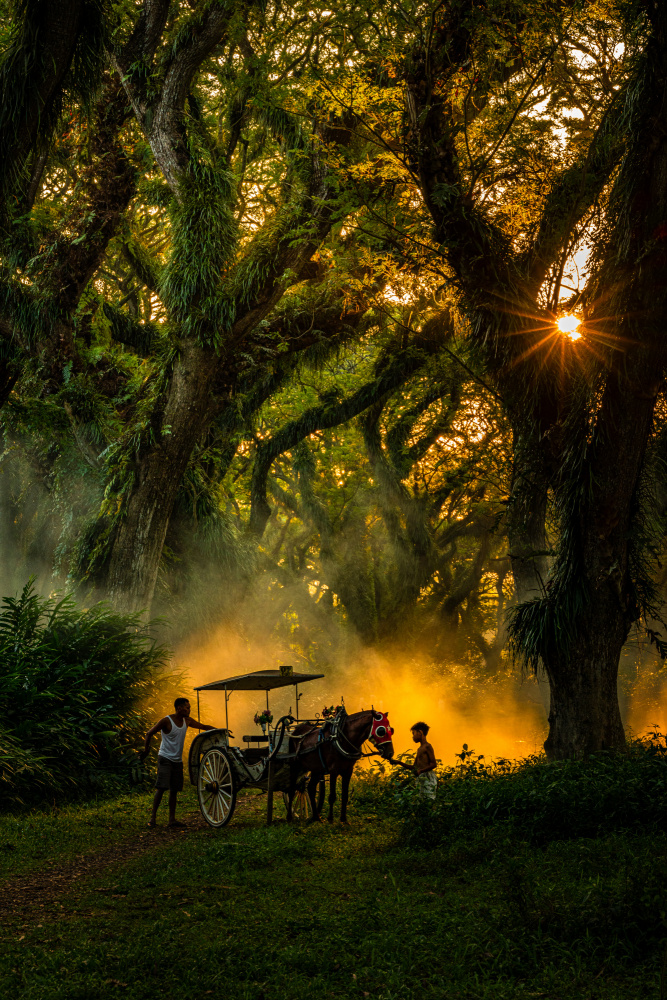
x=95, y=906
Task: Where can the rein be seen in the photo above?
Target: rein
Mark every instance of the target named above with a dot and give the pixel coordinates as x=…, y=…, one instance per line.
x=335, y=735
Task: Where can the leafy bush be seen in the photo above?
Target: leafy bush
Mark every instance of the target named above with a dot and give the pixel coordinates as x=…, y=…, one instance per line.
x=534, y=799
x=19, y=766
x=75, y=689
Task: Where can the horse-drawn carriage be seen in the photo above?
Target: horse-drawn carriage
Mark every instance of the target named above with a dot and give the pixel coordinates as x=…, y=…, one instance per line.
x=293, y=758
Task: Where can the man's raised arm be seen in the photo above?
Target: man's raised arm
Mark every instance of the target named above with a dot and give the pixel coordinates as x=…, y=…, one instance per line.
x=196, y=724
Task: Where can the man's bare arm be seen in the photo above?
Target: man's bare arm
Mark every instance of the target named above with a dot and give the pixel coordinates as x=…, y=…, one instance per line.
x=159, y=726
x=196, y=724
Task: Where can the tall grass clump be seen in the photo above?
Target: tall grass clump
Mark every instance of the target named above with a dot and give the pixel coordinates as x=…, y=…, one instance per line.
x=75, y=689
x=531, y=798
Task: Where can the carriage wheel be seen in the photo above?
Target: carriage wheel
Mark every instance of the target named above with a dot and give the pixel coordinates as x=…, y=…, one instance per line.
x=301, y=810
x=215, y=787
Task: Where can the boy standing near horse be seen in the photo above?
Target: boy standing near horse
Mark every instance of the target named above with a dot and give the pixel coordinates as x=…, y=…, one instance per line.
x=425, y=762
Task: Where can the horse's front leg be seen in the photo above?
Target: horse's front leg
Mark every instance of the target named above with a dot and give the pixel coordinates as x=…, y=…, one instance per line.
x=333, y=777
x=313, y=782
x=344, y=793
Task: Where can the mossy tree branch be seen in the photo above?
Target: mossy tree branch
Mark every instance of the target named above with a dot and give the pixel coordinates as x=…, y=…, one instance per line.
x=323, y=417
x=141, y=337
x=161, y=113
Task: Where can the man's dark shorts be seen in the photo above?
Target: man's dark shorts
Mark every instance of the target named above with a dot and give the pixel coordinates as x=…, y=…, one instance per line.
x=169, y=775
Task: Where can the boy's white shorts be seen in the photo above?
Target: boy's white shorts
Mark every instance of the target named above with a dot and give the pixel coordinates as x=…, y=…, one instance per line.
x=428, y=784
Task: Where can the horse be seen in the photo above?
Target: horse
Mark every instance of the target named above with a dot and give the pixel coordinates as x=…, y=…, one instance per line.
x=334, y=749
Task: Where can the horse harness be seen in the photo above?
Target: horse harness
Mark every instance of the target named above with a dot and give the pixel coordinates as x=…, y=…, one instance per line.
x=332, y=732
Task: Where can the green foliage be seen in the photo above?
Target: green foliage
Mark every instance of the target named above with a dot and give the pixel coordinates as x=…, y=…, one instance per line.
x=204, y=239
x=25, y=62
x=141, y=337
x=32, y=316
x=75, y=689
x=21, y=767
x=147, y=267
x=532, y=799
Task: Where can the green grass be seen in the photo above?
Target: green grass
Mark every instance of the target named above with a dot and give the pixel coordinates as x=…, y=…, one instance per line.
x=29, y=840
x=250, y=913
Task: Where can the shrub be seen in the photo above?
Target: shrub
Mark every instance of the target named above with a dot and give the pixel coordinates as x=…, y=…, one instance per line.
x=534, y=799
x=19, y=766
x=75, y=688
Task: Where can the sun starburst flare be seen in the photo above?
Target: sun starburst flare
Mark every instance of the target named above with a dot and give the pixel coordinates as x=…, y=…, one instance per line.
x=569, y=325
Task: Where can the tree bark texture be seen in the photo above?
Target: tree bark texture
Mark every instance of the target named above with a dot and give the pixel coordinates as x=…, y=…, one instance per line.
x=584, y=714
x=527, y=536
x=526, y=530
x=138, y=545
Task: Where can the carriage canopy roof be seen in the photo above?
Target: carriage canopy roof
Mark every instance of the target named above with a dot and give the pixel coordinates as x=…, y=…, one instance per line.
x=258, y=680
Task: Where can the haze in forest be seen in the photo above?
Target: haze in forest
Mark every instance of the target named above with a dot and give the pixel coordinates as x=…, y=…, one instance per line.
x=498, y=723
x=503, y=719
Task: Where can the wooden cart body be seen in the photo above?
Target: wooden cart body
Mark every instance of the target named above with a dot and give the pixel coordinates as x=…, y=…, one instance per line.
x=219, y=769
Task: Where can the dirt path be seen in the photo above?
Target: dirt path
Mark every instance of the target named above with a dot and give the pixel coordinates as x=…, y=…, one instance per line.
x=39, y=893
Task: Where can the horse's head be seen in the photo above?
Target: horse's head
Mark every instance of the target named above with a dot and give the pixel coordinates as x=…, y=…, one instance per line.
x=381, y=734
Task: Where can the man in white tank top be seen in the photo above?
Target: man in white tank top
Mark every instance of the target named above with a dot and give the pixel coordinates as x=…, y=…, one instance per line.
x=170, y=756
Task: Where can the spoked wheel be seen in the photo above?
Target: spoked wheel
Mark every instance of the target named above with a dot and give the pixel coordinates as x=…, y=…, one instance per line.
x=215, y=787
x=301, y=810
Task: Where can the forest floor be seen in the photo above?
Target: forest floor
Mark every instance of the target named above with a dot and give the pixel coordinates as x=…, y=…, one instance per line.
x=93, y=906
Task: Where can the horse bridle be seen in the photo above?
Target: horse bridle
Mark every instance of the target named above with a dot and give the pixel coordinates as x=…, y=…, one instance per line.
x=334, y=737
x=336, y=734
x=380, y=728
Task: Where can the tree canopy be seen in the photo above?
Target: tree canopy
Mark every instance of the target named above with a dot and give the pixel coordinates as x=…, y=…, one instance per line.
x=278, y=301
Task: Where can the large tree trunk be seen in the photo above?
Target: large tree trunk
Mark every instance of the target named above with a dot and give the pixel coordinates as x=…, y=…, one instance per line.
x=629, y=309
x=137, y=548
x=585, y=715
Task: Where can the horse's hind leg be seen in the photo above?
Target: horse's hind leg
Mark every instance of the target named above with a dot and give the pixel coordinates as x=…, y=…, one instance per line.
x=332, y=795
x=344, y=792
x=290, y=794
x=311, y=788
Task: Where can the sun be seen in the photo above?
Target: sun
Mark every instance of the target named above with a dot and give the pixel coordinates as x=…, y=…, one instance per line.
x=569, y=325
